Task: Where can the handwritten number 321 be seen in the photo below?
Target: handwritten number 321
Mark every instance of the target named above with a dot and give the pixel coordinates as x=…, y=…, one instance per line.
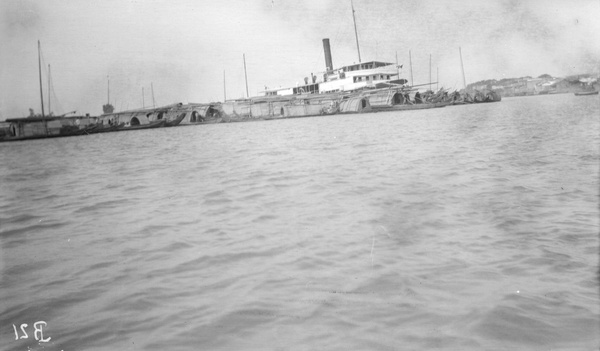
x=38, y=333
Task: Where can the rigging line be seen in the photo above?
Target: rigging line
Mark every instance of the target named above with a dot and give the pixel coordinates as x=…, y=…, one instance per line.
x=57, y=105
x=51, y=92
x=49, y=95
x=153, y=100
x=315, y=64
x=39, y=50
x=355, y=31
x=339, y=32
x=340, y=36
x=43, y=73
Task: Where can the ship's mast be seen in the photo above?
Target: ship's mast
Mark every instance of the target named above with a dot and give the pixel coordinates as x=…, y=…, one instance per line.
x=49, y=102
x=355, y=31
x=412, y=82
x=152, y=89
x=108, y=108
x=397, y=68
x=40, y=71
x=41, y=92
x=246, y=76
x=462, y=68
x=224, y=88
x=429, y=71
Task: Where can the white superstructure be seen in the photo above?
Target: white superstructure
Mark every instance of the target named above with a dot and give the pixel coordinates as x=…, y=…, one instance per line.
x=343, y=79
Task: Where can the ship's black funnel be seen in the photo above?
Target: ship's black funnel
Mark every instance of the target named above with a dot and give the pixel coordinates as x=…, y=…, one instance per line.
x=327, y=50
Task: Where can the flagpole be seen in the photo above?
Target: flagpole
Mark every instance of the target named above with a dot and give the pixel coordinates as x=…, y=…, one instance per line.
x=355, y=31
x=49, y=102
x=397, y=68
x=462, y=67
x=430, y=72
x=41, y=92
x=246, y=76
x=412, y=81
x=153, y=102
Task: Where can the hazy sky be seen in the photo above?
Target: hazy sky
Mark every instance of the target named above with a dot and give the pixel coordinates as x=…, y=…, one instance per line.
x=182, y=47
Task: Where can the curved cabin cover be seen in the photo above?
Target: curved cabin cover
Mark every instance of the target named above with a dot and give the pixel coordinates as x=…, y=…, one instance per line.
x=355, y=104
x=202, y=114
x=140, y=117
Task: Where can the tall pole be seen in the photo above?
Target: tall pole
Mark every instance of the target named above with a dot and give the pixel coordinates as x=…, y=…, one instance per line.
x=41, y=92
x=462, y=68
x=429, y=71
x=355, y=31
x=153, y=102
x=49, y=103
x=40, y=69
x=397, y=68
x=412, y=82
x=437, y=79
x=246, y=76
x=224, y=88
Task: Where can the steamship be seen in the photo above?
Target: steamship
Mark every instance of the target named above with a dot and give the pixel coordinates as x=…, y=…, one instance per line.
x=354, y=88
x=362, y=87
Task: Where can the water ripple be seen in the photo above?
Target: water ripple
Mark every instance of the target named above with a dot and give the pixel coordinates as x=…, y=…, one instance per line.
x=469, y=228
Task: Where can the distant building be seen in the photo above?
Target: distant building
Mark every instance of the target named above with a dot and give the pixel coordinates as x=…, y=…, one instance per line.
x=533, y=84
x=544, y=84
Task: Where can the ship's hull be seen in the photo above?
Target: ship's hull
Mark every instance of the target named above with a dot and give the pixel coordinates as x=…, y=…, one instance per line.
x=408, y=107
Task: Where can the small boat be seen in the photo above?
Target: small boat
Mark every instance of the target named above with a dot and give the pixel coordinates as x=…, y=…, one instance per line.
x=582, y=93
x=156, y=124
x=106, y=129
x=407, y=107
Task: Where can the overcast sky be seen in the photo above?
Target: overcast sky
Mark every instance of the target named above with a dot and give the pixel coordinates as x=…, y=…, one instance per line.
x=182, y=47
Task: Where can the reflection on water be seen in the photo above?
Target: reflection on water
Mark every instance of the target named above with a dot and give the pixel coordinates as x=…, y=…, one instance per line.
x=467, y=227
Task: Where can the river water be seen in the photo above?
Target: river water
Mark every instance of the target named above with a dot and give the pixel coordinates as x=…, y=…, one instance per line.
x=466, y=228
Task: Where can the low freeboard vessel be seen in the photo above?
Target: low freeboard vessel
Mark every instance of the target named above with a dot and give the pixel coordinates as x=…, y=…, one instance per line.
x=176, y=121
x=584, y=93
x=155, y=124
